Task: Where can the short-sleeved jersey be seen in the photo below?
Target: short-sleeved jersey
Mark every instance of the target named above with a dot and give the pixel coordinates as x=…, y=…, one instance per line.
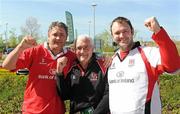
x=40, y=94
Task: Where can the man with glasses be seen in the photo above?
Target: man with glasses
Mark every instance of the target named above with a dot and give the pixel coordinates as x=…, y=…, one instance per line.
x=85, y=83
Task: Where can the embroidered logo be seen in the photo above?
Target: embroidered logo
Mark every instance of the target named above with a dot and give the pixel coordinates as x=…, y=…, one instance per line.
x=42, y=61
x=52, y=71
x=94, y=76
x=131, y=62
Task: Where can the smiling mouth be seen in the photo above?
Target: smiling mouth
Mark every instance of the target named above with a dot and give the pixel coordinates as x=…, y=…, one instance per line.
x=124, y=41
x=84, y=56
x=59, y=42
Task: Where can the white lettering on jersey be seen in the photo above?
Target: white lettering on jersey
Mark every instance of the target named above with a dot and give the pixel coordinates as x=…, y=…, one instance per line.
x=46, y=77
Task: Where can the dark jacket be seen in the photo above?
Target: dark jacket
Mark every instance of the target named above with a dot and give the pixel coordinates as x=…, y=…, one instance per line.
x=85, y=88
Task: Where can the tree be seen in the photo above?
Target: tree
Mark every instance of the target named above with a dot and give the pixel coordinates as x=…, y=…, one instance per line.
x=105, y=36
x=1, y=41
x=12, y=42
x=31, y=27
x=2, y=44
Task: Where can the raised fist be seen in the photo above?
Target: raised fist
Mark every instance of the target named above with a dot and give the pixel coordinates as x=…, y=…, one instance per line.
x=28, y=42
x=61, y=63
x=152, y=24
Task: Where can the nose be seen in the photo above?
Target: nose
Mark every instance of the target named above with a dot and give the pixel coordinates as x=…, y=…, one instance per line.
x=82, y=50
x=121, y=35
x=58, y=37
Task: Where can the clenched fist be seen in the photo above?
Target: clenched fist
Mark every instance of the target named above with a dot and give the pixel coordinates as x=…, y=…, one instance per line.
x=152, y=24
x=61, y=63
x=28, y=42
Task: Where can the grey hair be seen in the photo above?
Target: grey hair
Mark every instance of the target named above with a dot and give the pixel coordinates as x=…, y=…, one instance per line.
x=84, y=36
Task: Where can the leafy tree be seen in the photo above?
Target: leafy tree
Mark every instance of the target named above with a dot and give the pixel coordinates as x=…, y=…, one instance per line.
x=108, y=44
x=2, y=44
x=105, y=36
x=12, y=42
x=19, y=38
x=31, y=27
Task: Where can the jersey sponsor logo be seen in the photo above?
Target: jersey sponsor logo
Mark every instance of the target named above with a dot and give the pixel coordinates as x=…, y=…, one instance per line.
x=120, y=74
x=121, y=79
x=52, y=71
x=124, y=80
x=46, y=77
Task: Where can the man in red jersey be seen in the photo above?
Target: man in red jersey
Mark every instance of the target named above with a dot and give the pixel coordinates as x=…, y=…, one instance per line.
x=40, y=95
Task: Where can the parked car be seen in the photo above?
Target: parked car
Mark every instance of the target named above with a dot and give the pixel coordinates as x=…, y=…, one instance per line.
x=22, y=71
x=9, y=50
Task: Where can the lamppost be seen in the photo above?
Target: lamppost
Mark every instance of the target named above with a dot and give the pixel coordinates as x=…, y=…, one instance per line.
x=89, y=28
x=94, y=5
x=6, y=39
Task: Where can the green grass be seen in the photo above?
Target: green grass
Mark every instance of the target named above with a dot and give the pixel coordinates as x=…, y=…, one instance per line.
x=170, y=94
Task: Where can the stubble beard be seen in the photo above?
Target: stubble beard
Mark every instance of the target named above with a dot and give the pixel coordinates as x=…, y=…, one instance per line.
x=126, y=47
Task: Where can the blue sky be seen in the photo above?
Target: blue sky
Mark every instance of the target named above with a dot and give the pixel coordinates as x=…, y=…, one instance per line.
x=15, y=13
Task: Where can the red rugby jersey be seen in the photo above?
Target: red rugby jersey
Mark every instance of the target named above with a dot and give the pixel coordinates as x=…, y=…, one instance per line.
x=40, y=94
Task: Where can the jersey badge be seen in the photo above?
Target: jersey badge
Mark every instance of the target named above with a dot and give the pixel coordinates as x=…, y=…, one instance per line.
x=43, y=61
x=94, y=76
x=52, y=71
x=131, y=62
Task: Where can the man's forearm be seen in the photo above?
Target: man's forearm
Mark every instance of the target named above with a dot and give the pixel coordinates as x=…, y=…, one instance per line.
x=11, y=59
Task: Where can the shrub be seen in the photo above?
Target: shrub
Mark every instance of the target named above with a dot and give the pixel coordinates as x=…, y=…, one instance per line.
x=12, y=89
x=170, y=94
x=11, y=92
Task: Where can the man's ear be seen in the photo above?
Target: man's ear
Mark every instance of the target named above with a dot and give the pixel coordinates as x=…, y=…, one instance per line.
x=48, y=33
x=132, y=32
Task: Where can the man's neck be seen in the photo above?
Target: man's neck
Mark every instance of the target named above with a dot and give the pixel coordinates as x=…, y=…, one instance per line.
x=55, y=51
x=84, y=65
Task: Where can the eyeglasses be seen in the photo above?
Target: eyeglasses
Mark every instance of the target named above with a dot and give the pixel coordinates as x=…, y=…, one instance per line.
x=85, y=48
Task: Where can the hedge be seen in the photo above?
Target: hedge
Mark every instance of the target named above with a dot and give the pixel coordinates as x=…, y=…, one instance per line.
x=12, y=87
